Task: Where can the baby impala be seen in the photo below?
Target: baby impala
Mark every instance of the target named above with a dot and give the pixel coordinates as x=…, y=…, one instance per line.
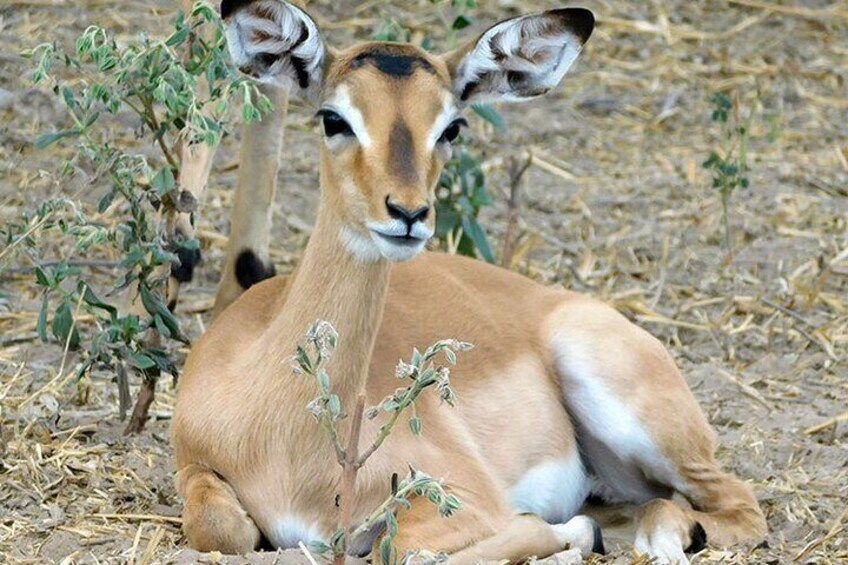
x=561, y=398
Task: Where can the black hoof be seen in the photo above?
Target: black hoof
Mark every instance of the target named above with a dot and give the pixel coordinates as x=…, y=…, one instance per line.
x=184, y=270
x=699, y=538
x=251, y=270
x=598, y=539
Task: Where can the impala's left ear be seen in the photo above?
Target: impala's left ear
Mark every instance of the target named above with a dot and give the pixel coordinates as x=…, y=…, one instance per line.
x=520, y=58
x=276, y=42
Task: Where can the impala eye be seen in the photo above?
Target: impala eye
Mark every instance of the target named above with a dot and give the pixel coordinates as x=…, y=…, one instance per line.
x=452, y=131
x=334, y=124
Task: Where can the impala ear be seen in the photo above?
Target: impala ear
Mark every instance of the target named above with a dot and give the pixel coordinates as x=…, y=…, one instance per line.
x=276, y=42
x=520, y=58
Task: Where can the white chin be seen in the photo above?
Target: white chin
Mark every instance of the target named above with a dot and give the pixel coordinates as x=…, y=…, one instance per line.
x=400, y=250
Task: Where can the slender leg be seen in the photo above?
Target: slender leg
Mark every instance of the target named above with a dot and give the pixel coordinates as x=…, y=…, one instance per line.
x=485, y=528
x=725, y=513
x=247, y=260
x=195, y=165
x=213, y=518
x=644, y=436
x=472, y=537
x=527, y=535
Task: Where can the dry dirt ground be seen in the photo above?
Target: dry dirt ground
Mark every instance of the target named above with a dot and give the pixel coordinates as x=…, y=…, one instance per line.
x=616, y=205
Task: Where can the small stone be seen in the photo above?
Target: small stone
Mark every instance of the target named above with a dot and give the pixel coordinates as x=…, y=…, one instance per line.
x=6, y=99
x=567, y=557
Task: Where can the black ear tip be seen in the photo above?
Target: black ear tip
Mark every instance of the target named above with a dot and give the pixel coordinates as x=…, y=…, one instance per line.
x=581, y=21
x=227, y=7
x=230, y=6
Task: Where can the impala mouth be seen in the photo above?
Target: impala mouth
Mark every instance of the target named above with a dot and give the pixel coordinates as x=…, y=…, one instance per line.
x=406, y=239
x=398, y=241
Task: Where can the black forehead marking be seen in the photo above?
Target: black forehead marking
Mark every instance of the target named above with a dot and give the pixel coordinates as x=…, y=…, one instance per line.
x=393, y=61
x=402, y=152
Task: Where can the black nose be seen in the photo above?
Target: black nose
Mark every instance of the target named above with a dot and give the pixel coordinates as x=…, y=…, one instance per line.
x=407, y=216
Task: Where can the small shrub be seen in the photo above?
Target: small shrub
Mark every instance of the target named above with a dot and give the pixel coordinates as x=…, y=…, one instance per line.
x=422, y=372
x=729, y=165
x=460, y=196
x=158, y=81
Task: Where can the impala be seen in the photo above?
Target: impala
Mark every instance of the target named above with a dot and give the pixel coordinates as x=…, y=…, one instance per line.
x=561, y=398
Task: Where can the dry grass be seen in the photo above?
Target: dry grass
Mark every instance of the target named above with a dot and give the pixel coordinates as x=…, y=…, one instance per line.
x=615, y=204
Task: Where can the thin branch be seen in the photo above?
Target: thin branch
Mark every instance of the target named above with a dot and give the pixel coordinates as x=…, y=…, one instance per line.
x=381, y=437
x=71, y=263
x=349, y=475
x=307, y=553
x=23, y=237
x=789, y=312
x=330, y=426
x=380, y=511
x=149, y=117
x=515, y=169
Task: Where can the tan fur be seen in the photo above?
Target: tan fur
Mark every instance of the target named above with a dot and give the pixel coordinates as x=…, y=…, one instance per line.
x=250, y=226
x=217, y=522
x=247, y=450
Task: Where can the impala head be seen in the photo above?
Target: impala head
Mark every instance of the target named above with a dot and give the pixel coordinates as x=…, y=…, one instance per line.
x=391, y=111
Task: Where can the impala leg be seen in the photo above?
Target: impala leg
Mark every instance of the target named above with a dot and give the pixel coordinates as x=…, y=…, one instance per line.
x=195, y=164
x=527, y=535
x=213, y=518
x=644, y=436
x=470, y=539
x=247, y=260
x=486, y=528
x=725, y=513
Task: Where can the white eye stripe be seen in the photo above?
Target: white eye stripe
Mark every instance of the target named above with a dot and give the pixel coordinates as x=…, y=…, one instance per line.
x=448, y=115
x=341, y=104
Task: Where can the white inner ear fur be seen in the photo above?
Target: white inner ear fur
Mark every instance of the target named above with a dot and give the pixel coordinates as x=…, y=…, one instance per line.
x=543, y=58
x=341, y=103
x=449, y=114
x=283, y=29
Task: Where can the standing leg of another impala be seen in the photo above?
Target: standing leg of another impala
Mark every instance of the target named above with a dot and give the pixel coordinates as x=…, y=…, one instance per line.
x=195, y=166
x=247, y=260
x=195, y=161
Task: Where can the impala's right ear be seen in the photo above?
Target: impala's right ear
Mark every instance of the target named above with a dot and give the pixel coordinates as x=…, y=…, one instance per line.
x=520, y=58
x=276, y=42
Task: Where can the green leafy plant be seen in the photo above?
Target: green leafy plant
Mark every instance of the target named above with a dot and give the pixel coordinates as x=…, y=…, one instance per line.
x=160, y=82
x=422, y=372
x=456, y=15
x=729, y=165
x=392, y=29
x=460, y=195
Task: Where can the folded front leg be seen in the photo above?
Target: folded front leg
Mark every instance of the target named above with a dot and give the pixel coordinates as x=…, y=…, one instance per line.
x=527, y=535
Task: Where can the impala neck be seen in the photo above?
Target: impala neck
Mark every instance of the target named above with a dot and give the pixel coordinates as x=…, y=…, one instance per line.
x=331, y=284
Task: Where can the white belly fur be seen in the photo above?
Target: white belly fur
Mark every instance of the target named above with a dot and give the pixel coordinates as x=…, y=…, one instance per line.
x=288, y=530
x=554, y=489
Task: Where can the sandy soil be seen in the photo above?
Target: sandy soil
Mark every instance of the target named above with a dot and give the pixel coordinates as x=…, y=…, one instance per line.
x=617, y=206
